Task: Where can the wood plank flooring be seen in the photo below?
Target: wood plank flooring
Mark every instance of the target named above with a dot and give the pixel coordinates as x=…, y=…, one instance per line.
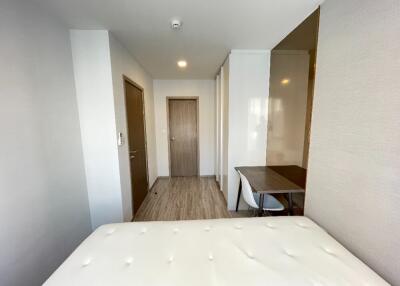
x=183, y=198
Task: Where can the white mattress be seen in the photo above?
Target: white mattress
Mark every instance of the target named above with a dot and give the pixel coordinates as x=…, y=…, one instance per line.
x=249, y=251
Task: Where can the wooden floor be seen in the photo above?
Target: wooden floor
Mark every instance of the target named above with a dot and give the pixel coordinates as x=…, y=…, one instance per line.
x=183, y=198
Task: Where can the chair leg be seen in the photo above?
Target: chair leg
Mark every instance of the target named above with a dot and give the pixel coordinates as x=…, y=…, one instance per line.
x=261, y=205
x=238, y=197
x=290, y=203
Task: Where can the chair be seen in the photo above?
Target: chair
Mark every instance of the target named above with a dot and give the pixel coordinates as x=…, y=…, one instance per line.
x=251, y=198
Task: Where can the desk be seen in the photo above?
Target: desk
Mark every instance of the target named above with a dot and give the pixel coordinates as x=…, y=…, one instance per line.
x=274, y=180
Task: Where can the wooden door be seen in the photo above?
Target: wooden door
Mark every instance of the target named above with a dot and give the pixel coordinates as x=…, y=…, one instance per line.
x=183, y=137
x=137, y=143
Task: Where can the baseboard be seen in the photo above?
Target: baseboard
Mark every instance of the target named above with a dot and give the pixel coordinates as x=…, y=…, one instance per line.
x=209, y=176
x=149, y=191
x=155, y=183
x=202, y=176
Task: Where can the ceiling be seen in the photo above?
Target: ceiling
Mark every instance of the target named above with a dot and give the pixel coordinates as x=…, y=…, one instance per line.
x=210, y=28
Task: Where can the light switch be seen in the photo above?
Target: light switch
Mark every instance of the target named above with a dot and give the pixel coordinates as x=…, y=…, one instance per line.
x=120, y=139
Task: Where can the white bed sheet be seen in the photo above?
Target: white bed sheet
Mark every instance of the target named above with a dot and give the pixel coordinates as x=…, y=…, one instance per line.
x=225, y=252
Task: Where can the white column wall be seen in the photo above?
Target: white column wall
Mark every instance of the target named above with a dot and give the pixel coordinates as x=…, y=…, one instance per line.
x=94, y=89
x=245, y=113
x=225, y=126
x=217, y=127
x=100, y=62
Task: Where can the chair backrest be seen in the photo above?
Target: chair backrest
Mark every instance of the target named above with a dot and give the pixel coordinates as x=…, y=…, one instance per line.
x=247, y=192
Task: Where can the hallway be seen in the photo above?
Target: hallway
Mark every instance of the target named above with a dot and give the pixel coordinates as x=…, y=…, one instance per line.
x=183, y=198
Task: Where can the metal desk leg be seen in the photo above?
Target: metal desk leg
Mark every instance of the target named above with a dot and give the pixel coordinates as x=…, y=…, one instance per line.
x=290, y=201
x=239, y=193
x=261, y=205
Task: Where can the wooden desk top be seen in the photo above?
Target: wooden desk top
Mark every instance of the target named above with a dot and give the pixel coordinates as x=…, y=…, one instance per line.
x=275, y=179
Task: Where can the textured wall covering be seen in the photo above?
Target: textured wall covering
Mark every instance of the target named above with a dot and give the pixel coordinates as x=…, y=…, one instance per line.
x=353, y=188
x=44, y=210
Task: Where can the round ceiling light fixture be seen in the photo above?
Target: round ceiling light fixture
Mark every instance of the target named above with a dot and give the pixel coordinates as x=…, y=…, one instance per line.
x=285, y=81
x=176, y=24
x=182, y=64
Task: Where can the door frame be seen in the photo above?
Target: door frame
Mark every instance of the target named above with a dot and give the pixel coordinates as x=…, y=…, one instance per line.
x=126, y=79
x=196, y=99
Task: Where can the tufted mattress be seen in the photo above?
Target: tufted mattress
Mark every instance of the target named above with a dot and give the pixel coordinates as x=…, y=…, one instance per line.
x=225, y=252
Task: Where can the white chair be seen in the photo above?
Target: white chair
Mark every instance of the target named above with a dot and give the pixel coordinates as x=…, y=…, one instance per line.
x=251, y=198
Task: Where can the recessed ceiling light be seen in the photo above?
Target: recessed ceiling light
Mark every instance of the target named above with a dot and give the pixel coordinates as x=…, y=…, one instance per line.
x=285, y=81
x=182, y=64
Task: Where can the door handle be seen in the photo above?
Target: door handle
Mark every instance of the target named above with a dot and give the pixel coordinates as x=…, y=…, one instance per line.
x=172, y=138
x=132, y=154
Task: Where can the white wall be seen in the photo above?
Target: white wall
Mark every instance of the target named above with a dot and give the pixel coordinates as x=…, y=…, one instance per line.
x=205, y=90
x=100, y=62
x=94, y=88
x=225, y=127
x=44, y=212
x=248, y=111
x=218, y=129
x=287, y=107
x=123, y=63
x=354, y=164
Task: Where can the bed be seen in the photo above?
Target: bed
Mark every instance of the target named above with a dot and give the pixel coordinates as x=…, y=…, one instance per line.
x=243, y=251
